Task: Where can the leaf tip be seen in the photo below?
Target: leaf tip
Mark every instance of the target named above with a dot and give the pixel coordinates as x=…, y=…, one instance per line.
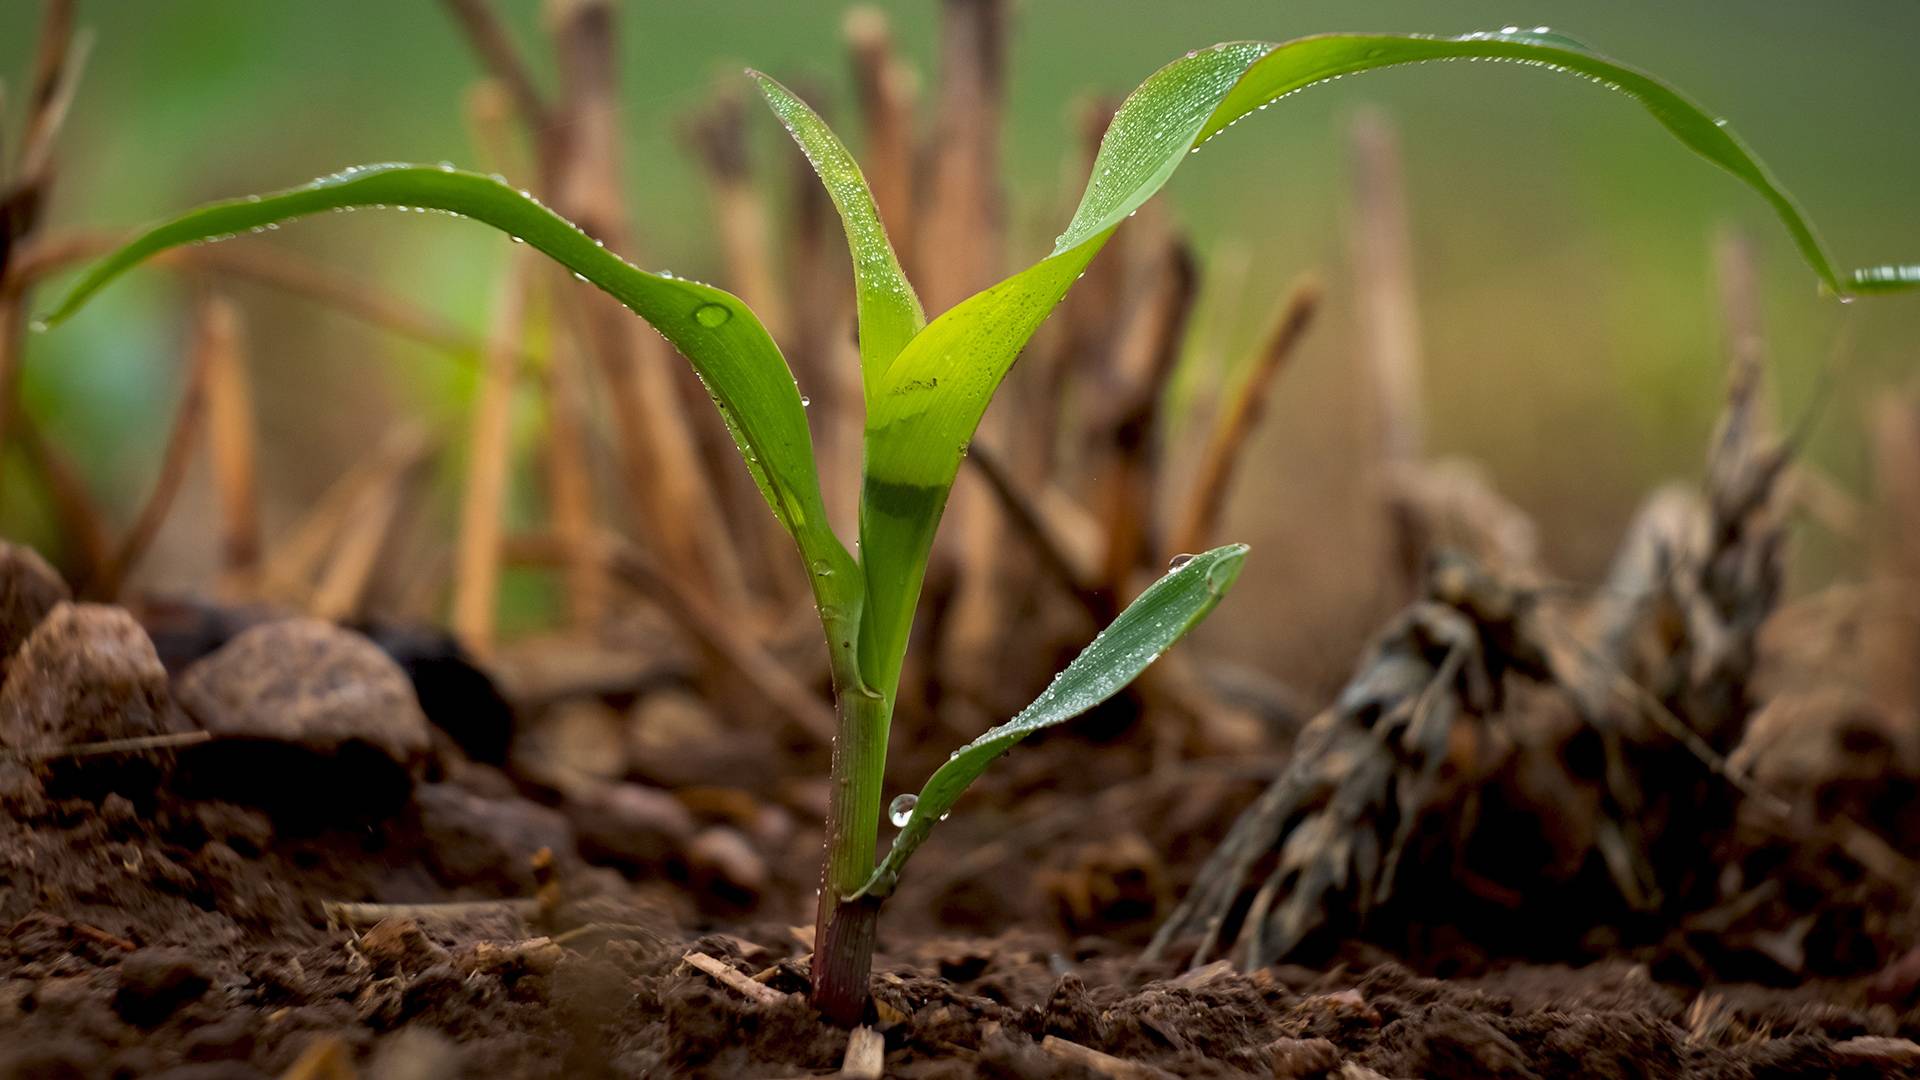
x=1884, y=279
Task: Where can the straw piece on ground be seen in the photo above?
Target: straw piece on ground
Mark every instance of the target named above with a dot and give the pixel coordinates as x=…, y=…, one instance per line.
x=733, y=980
x=1098, y=1062
x=866, y=1055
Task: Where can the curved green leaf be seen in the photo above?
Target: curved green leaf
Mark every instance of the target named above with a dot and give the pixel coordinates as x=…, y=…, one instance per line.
x=1148, y=627
x=730, y=350
x=890, y=313
x=924, y=410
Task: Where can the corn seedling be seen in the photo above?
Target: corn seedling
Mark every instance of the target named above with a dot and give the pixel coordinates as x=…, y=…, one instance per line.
x=927, y=384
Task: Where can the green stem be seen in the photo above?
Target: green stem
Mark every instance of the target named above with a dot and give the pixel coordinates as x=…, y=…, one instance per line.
x=844, y=930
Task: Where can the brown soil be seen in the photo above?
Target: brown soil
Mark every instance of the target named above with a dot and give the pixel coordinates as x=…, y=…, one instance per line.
x=154, y=935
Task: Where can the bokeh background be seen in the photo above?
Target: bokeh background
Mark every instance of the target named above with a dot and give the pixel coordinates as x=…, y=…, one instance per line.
x=1562, y=242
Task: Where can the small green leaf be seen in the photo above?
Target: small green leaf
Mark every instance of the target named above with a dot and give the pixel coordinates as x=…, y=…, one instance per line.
x=890, y=313
x=1147, y=628
x=730, y=350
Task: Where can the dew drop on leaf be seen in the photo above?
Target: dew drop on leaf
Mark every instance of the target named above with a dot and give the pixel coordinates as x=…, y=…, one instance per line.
x=1179, y=561
x=901, y=809
x=711, y=315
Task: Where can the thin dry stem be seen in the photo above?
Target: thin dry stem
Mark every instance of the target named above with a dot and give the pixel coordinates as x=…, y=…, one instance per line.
x=1128, y=426
x=490, y=40
x=1033, y=526
x=87, y=541
x=232, y=444
x=1236, y=420
x=664, y=475
x=476, y=575
x=210, y=335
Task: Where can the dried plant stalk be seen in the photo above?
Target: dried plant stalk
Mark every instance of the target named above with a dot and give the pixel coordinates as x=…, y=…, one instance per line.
x=1389, y=328
x=477, y=559
x=1227, y=440
x=1127, y=426
x=341, y=592
x=232, y=445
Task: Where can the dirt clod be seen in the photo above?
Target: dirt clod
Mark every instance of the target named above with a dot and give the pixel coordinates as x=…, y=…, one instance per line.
x=631, y=826
x=1303, y=1059
x=479, y=839
x=154, y=983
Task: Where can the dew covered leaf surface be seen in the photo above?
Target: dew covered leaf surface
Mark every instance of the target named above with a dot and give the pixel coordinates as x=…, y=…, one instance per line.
x=1160, y=616
x=889, y=311
x=738, y=363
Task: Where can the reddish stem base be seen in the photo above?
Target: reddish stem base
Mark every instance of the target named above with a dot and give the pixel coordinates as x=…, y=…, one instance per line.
x=843, y=958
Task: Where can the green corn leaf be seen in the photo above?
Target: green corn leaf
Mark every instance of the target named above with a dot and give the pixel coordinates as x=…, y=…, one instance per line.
x=923, y=411
x=1886, y=279
x=736, y=360
x=1149, y=626
x=890, y=313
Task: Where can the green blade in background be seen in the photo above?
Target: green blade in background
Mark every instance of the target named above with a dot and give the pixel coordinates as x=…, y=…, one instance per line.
x=924, y=411
x=1149, y=626
x=890, y=313
x=730, y=350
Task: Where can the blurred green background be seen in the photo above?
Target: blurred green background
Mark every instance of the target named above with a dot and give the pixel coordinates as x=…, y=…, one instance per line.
x=1563, y=241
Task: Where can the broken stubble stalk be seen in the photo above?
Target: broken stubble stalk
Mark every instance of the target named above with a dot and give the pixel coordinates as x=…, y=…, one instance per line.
x=926, y=386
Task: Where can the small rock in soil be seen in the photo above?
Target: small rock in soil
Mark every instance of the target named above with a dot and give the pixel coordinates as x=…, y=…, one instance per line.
x=724, y=866
x=475, y=840
x=29, y=588
x=673, y=739
x=307, y=682
x=630, y=826
x=313, y=721
x=154, y=983
x=88, y=674
x=572, y=747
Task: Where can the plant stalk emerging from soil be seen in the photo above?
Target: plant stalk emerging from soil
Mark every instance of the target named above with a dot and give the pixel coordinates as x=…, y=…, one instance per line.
x=927, y=384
